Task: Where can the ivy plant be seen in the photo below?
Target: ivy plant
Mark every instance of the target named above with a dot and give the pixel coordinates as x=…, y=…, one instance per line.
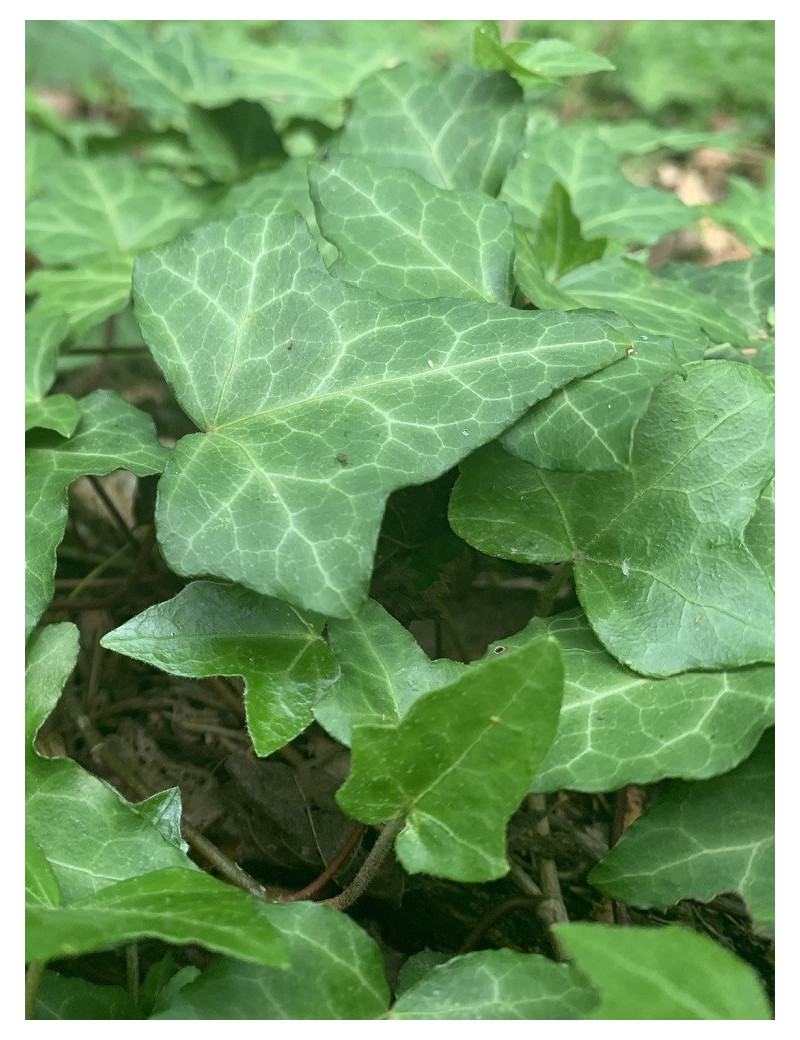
x=448, y=530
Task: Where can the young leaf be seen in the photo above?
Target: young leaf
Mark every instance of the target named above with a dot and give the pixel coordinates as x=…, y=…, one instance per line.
x=459, y=761
x=700, y=839
x=335, y=972
x=663, y=973
x=399, y=235
x=661, y=570
x=93, y=207
x=605, y=202
x=57, y=412
x=383, y=671
x=457, y=127
x=211, y=629
x=320, y=399
x=112, y=434
x=617, y=727
x=62, y=800
x=175, y=905
x=497, y=984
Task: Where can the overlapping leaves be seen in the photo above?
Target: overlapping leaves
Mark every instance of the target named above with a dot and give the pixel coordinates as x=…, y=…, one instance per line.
x=319, y=399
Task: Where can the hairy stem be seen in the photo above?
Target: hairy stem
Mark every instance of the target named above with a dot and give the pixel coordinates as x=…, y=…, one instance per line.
x=33, y=977
x=369, y=867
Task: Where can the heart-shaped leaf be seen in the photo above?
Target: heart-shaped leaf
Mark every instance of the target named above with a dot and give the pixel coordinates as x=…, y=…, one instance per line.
x=211, y=629
x=459, y=761
x=617, y=727
x=112, y=434
x=700, y=839
x=320, y=399
x=399, y=235
x=660, y=566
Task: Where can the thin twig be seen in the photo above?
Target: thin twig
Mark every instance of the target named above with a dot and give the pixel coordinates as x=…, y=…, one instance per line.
x=334, y=866
x=551, y=909
x=33, y=976
x=493, y=916
x=117, y=517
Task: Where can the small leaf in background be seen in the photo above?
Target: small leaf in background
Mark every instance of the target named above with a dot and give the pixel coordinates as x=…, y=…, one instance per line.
x=497, y=985
x=749, y=210
x=85, y=295
x=71, y=997
x=533, y=64
x=211, y=629
x=400, y=236
x=745, y=290
x=383, y=672
x=174, y=905
x=660, y=567
x=459, y=761
x=58, y=412
x=62, y=800
x=701, y=839
x=662, y=973
x=590, y=424
x=336, y=972
x=618, y=728
x=605, y=202
x=111, y=434
x=320, y=399
x=161, y=77
x=457, y=127
x=89, y=208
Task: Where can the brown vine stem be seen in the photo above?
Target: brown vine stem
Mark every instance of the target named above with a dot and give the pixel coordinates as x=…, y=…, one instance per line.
x=369, y=867
x=551, y=909
x=341, y=857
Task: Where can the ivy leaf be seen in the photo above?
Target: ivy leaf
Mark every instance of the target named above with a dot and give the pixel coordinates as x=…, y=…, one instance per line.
x=58, y=412
x=701, y=839
x=233, y=140
x=605, y=202
x=497, y=984
x=399, y=235
x=383, y=672
x=71, y=997
x=590, y=424
x=558, y=241
x=459, y=761
x=660, y=567
x=211, y=629
x=320, y=399
x=336, y=973
x=618, y=728
x=745, y=290
x=533, y=64
x=174, y=904
x=88, y=208
x=62, y=800
x=663, y=973
x=111, y=434
x=458, y=127
x=86, y=295
x=41, y=883
x=162, y=77
x=654, y=303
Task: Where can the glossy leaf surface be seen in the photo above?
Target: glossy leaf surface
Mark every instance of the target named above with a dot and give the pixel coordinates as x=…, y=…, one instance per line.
x=661, y=570
x=458, y=762
x=663, y=973
x=335, y=972
x=212, y=629
x=320, y=399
